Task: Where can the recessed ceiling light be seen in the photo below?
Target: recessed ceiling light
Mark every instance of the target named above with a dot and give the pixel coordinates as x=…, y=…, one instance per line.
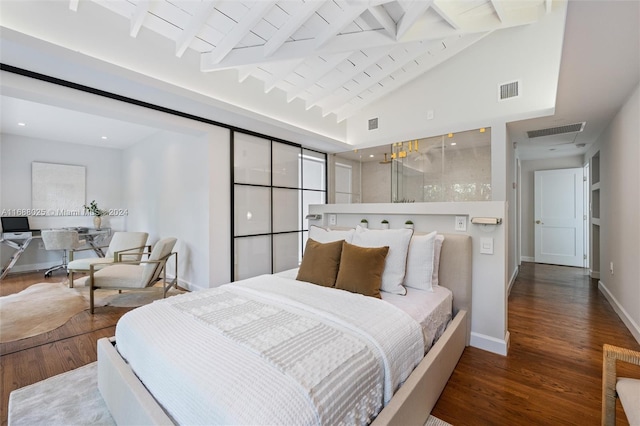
x=22, y=124
x=453, y=144
x=371, y=155
x=104, y=138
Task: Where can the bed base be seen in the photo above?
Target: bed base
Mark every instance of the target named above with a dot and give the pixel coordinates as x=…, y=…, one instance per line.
x=130, y=403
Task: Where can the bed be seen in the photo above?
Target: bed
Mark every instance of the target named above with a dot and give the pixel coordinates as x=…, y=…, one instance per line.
x=386, y=364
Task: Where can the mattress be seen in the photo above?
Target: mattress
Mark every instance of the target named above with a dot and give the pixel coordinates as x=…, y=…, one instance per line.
x=207, y=357
x=431, y=309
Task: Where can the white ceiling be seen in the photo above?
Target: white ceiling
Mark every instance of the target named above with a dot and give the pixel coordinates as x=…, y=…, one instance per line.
x=340, y=56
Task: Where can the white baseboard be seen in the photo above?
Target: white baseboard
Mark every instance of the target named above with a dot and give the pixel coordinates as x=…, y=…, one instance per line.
x=527, y=259
x=512, y=280
x=594, y=274
x=490, y=344
x=622, y=313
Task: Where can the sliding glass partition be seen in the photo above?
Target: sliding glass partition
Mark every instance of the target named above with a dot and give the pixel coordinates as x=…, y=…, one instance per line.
x=273, y=185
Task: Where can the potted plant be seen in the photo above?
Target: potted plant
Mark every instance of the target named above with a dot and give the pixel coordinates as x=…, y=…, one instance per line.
x=385, y=224
x=97, y=213
x=364, y=223
x=408, y=224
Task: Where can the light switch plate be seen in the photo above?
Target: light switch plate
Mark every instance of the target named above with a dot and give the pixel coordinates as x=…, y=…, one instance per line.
x=486, y=245
x=333, y=220
x=461, y=223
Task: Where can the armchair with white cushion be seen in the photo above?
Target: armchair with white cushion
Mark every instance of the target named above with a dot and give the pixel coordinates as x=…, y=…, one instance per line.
x=137, y=274
x=625, y=388
x=121, y=242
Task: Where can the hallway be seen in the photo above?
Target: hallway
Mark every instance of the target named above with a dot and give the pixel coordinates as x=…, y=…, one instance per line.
x=558, y=321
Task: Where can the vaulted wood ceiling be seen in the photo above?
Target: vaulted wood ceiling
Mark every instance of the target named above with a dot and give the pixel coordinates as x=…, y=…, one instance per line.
x=339, y=55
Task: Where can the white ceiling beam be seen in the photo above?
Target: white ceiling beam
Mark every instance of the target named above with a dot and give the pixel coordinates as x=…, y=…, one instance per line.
x=138, y=17
x=498, y=6
x=317, y=74
x=255, y=14
x=380, y=14
x=193, y=27
x=302, y=48
x=447, y=12
x=344, y=111
x=401, y=57
x=73, y=5
x=373, y=56
x=281, y=74
x=291, y=26
x=412, y=13
x=347, y=17
x=244, y=73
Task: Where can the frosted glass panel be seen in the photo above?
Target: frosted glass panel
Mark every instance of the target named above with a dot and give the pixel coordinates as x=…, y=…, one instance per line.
x=286, y=251
x=286, y=165
x=286, y=209
x=313, y=170
x=251, y=159
x=252, y=210
x=252, y=256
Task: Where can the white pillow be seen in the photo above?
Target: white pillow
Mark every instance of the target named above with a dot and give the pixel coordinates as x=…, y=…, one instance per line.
x=420, y=261
x=396, y=262
x=325, y=235
x=436, y=259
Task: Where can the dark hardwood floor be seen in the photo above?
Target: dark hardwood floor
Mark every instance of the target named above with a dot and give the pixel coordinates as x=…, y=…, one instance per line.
x=558, y=322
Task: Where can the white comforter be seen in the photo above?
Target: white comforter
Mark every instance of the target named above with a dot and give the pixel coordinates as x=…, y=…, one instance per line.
x=271, y=350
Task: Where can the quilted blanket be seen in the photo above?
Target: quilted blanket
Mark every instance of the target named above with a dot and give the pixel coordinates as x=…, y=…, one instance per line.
x=271, y=350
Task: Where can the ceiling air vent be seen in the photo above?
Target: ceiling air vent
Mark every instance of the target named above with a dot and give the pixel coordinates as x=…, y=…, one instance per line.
x=509, y=90
x=569, y=128
x=373, y=123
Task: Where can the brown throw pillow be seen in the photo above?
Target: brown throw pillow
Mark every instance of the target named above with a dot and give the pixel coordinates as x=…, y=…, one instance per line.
x=320, y=263
x=361, y=269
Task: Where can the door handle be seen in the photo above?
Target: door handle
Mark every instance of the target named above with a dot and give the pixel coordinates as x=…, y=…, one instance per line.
x=539, y=222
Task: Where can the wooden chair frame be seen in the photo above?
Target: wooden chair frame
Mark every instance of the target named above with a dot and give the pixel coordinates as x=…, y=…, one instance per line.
x=610, y=355
x=166, y=286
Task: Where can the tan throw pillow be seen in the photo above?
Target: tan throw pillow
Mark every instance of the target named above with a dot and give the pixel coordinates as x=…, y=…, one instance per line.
x=361, y=269
x=320, y=263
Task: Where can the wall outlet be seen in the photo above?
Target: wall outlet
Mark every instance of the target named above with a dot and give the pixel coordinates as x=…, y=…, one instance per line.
x=333, y=220
x=461, y=223
x=611, y=267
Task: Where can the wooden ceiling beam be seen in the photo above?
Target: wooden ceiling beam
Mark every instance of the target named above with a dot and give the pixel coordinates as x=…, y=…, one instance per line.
x=138, y=17
x=255, y=14
x=317, y=74
x=350, y=14
x=412, y=13
x=291, y=26
x=380, y=14
x=191, y=30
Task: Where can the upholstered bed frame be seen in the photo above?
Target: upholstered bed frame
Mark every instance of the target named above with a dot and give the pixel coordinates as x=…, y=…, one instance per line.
x=131, y=404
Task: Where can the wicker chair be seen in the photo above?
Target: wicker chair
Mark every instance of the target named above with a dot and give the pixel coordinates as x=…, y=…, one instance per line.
x=628, y=390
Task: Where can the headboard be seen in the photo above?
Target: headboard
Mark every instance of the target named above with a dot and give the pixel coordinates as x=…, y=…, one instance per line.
x=456, y=269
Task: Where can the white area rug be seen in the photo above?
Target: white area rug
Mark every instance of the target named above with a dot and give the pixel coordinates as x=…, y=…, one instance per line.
x=73, y=398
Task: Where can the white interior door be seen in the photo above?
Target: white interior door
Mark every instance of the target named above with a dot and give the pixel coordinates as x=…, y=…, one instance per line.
x=559, y=217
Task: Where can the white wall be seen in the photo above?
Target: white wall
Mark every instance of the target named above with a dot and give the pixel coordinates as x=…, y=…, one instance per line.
x=528, y=168
x=619, y=211
x=169, y=178
x=103, y=183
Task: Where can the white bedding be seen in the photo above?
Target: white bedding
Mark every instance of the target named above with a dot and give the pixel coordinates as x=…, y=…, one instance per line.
x=205, y=368
x=431, y=309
